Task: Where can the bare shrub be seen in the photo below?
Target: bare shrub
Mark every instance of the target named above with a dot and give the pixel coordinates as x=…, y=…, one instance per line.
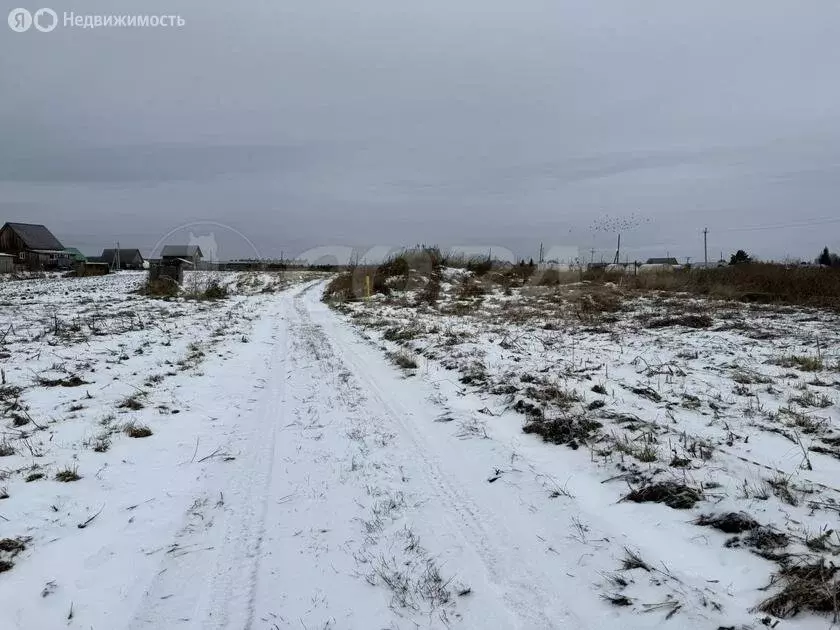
x=469, y=289
x=403, y=359
x=340, y=288
x=214, y=291
x=160, y=287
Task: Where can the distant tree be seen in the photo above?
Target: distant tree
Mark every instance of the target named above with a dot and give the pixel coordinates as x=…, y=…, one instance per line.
x=740, y=257
x=828, y=259
x=531, y=263
x=825, y=258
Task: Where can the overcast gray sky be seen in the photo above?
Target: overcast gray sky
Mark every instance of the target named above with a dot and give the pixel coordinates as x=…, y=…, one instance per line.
x=305, y=123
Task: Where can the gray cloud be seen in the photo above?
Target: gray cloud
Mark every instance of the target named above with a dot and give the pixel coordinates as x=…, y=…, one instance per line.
x=305, y=123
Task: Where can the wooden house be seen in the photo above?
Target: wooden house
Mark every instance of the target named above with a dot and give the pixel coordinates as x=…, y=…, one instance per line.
x=171, y=253
x=33, y=246
x=127, y=258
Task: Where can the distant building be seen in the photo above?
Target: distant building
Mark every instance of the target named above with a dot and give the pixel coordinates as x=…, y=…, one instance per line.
x=127, y=258
x=663, y=261
x=33, y=246
x=190, y=253
x=75, y=255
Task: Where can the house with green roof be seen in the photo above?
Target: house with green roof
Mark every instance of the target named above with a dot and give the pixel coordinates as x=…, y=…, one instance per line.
x=75, y=255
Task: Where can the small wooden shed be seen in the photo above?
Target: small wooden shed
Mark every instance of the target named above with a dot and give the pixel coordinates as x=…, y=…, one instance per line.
x=90, y=268
x=171, y=268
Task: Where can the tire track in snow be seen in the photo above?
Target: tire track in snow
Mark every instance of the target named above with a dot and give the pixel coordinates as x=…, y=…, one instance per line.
x=520, y=587
x=237, y=574
x=207, y=577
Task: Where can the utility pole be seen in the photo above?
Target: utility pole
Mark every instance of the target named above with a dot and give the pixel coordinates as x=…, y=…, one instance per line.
x=541, y=253
x=117, y=257
x=706, y=246
x=591, y=255
x=617, y=250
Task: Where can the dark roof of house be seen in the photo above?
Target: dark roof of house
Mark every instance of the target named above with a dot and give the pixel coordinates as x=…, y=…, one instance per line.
x=126, y=255
x=181, y=251
x=662, y=261
x=36, y=236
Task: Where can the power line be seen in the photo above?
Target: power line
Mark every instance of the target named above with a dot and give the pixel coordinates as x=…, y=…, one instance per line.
x=782, y=226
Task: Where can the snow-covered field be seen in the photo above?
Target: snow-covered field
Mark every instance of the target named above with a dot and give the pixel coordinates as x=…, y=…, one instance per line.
x=693, y=446
x=267, y=461
x=101, y=390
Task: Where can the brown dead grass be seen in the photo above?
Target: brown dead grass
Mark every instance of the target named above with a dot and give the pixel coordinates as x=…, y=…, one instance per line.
x=134, y=430
x=805, y=587
x=674, y=495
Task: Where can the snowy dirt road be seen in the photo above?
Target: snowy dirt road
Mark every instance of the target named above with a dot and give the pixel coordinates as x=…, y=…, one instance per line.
x=346, y=508
x=361, y=497
x=313, y=484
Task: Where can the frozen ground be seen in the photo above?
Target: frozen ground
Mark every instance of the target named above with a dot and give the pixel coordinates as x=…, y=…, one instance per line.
x=294, y=476
x=660, y=413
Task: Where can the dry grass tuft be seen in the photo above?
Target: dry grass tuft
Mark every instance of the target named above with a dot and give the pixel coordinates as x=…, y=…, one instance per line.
x=403, y=359
x=214, y=291
x=68, y=474
x=339, y=289
x=9, y=549
x=801, y=362
x=674, y=495
x=729, y=523
x=570, y=430
x=632, y=560
x=134, y=430
x=70, y=381
x=160, y=287
x=805, y=587
x=101, y=443
x=688, y=320
x=131, y=402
